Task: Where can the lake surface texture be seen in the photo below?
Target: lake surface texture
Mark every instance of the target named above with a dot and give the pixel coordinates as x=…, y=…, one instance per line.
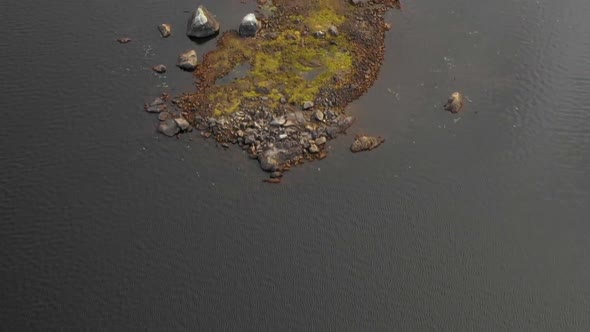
x=477, y=221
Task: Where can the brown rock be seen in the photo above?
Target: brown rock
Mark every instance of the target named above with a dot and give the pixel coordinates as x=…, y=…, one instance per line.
x=160, y=69
x=165, y=30
x=124, y=40
x=455, y=103
x=366, y=143
x=187, y=60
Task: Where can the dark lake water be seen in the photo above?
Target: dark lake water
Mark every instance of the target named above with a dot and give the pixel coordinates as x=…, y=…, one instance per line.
x=469, y=222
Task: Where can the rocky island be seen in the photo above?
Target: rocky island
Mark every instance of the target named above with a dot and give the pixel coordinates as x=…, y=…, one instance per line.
x=301, y=62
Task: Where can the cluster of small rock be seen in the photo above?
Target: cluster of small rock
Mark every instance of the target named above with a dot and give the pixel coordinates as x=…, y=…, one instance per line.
x=278, y=141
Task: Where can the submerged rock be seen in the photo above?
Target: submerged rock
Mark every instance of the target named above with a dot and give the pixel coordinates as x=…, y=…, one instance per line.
x=202, y=24
x=169, y=127
x=124, y=40
x=156, y=106
x=188, y=60
x=249, y=26
x=165, y=30
x=455, y=103
x=364, y=143
x=160, y=69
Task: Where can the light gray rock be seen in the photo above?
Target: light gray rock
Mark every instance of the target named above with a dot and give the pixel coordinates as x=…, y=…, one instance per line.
x=278, y=121
x=307, y=105
x=313, y=148
x=249, y=26
x=182, y=123
x=202, y=24
x=318, y=115
x=333, y=30
x=169, y=128
x=320, y=141
x=188, y=60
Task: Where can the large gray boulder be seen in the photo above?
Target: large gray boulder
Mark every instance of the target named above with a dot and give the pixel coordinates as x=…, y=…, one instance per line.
x=188, y=60
x=202, y=24
x=169, y=128
x=249, y=26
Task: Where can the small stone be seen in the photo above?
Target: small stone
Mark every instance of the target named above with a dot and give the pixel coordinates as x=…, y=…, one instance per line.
x=283, y=136
x=318, y=115
x=124, y=40
x=188, y=60
x=160, y=69
x=163, y=116
x=249, y=26
x=333, y=30
x=225, y=145
x=165, y=30
x=319, y=34
x=320, y=141
x=272, y=180
x=169, y=128
x=387, y=26
x=276, y=175
x=313, y=148
x=182, y=123
x=202, y=24
x=157, y=106
x=277, y=122
x=307, y=105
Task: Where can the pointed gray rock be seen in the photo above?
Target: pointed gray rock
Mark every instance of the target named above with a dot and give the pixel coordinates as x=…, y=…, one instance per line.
x=202, y=24
x=249, y=26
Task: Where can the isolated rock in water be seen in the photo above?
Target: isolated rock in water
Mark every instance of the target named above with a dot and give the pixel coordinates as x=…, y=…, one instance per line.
x=249, y=26
x=455, y=103
x=124, y=40
x=202, y=24
x=187, y=60
x=169, y=128
x=363, y=143
x=160, y=69
x=165, y=30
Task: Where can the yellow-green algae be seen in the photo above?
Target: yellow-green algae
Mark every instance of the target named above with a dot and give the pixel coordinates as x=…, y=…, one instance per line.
x=293, y=65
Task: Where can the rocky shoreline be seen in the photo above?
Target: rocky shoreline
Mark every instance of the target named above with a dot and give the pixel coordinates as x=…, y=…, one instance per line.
x=307, y=61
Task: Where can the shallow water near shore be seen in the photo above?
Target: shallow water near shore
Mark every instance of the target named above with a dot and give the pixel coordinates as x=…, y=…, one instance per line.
x=474, y=221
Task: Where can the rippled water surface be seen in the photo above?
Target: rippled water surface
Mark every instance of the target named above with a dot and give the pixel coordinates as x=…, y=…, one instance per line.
x=476, y=221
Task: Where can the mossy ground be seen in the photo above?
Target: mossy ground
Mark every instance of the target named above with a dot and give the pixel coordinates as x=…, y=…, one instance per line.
x=288, y=62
